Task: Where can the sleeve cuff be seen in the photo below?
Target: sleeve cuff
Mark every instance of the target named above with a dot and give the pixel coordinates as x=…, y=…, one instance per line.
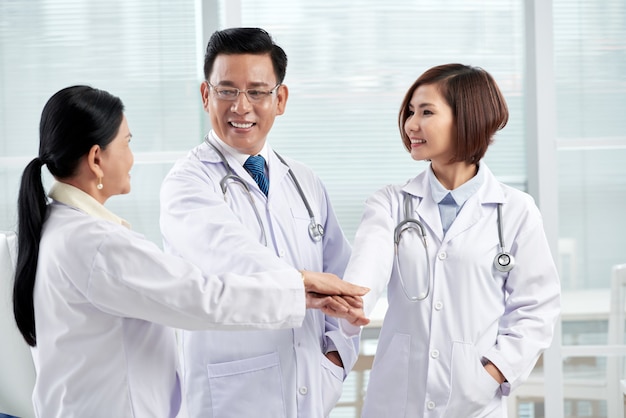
x=347, y=347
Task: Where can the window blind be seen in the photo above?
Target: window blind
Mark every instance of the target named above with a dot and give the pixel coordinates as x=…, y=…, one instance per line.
x=350, y=64
x=590, y=72
x=143, y=52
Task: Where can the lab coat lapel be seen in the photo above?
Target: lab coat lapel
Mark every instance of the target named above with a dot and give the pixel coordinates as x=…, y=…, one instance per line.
x=475, y=208
x=425, y=209
x=429, y=212
x=471, y=212
x=206, y=154
x=278, y=172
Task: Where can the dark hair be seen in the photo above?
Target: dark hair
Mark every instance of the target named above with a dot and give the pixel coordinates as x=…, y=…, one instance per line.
x=72, y=122
x=478, y=107
x=245, y=41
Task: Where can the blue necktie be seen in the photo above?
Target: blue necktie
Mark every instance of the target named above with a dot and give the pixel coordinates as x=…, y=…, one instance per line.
x=255, y=165
x=447, y=210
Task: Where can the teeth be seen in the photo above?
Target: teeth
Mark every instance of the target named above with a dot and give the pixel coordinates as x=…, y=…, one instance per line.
x=242, y=125
x=418, y=141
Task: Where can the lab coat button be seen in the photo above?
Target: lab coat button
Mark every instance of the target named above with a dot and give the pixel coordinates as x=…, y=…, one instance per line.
x=438, y=305
x=430, y=405
x=442, y=255
x=303, y=390
x=281, y=253
x=434, y=354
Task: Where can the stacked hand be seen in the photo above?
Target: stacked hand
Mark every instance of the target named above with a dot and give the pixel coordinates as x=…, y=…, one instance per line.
x=334, y=297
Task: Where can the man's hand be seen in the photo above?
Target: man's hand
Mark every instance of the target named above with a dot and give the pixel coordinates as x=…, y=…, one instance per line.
x=334, y=357
x=494, y=372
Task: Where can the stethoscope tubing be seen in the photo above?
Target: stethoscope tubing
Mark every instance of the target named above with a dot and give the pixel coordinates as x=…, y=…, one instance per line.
x=408, y=223
x=503, y=261
x=315, y=230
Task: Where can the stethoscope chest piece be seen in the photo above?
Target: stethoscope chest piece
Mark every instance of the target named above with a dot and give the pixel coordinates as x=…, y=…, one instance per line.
x=316, y=231
x=504, y=262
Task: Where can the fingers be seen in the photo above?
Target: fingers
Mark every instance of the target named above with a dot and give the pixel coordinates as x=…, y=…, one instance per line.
x=350, y=289
x=338, y=307
x=358, y=320
x=356, y=317
x=335, y=297
x=353, y=316
x=317, y=301
x=330, y=284
x=340, y=301
x=354, y=301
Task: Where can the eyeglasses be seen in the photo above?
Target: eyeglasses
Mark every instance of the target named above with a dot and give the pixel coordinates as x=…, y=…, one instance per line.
x=254, y=95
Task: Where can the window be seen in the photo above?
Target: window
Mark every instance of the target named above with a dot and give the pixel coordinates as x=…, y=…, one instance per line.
x=350, y=64
x=144, y=53
x=590, y=67
x=347, y=75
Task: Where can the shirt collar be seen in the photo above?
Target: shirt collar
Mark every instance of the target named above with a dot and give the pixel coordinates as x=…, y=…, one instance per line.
x=73, y=196
x=461, y=193
x=237, y=155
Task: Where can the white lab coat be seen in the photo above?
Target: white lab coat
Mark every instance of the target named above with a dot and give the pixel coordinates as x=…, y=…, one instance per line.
x=428, y=359
x=104, y=299
x=270, y=374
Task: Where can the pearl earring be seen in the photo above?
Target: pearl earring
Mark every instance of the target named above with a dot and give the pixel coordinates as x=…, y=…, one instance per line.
x=99, y=186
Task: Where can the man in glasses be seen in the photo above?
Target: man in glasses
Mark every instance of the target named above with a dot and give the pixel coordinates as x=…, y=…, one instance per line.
x=235, y=205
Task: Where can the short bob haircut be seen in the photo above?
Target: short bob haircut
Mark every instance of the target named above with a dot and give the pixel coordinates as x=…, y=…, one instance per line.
x=478, y=107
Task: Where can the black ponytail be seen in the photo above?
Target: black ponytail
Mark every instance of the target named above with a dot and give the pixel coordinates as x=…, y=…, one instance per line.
x=31, y=209
x=73, y=120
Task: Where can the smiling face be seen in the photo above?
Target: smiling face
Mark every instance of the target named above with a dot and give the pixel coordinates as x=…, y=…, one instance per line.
x=430, y=126
x=116, y=160
x=241, y=124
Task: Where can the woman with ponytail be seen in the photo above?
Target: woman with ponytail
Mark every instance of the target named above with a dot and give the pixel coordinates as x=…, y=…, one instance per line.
x=96, y=301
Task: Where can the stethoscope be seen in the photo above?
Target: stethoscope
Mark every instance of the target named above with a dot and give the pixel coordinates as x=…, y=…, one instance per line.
x=316, y=231
x=503, y=261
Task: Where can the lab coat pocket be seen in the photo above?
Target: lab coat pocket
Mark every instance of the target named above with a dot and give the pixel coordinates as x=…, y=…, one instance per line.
x=389, y=379
x=471, y=387
x=332, y=384
x=247, y=388
x=305, y=226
